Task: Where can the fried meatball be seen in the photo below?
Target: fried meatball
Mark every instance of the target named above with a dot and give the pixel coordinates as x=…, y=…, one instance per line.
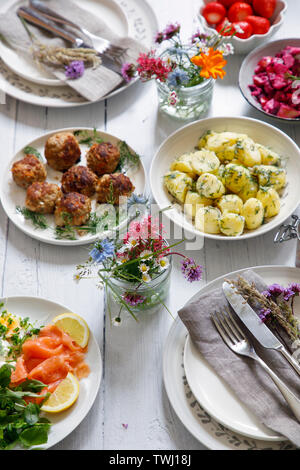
x=103, y=158
x=62, y=151
x=42, y=197
x=28, y=170
x=111, y=187
x=72, y=209
x=79, y=179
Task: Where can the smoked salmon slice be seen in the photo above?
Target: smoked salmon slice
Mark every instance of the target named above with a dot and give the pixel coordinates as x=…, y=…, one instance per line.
x=49, y=358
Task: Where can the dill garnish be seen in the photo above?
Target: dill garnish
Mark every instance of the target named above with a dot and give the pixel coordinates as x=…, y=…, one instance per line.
x=38, y=220
x=128, y=158
x=88, y=137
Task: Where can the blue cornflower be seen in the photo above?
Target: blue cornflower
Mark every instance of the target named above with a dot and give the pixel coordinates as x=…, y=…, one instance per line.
x=136, y=199
x=178, y=77
x=102, y=250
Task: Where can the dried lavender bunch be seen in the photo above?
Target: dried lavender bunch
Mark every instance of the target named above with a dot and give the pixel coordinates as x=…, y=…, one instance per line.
x=59, y=56
x=273, y=305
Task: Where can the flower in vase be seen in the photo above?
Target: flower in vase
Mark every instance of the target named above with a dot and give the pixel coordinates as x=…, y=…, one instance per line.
x=133, y=299
x=163, y=263
x=159, y=38
x=146, y=278
x=198, y=36
x=171, y=30
x=102, y=251
x=146, y=254
x=128, y=71
x=144, y=268
x=178, y=77
x=211, y=64
x=150, y=67
x=172, y=98
x=116, y=321
x=132, y=242
x=226, y=49
x=191, y=271
x=75, y=69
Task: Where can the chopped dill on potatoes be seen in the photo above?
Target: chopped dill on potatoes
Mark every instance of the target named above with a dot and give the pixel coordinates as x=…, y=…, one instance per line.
x=32, y=151
x=38, y=220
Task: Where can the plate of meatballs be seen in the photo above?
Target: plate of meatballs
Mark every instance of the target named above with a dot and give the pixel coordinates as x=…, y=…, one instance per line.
x=71, y=186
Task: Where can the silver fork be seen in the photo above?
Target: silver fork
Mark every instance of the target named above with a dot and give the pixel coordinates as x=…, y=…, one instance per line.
x=235, y=339
x=103, y=46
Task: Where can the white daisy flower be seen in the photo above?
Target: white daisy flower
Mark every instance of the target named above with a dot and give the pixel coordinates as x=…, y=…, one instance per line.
x=163, y=263
x=143, y=268
x=132, y=243
x=147, y=253
x=116, y=321
x=146, y=278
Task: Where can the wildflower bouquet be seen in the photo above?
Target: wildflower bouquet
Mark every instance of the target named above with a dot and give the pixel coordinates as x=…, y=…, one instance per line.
x=136, y=269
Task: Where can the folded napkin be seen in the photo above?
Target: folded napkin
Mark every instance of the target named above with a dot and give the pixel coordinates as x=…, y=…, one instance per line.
x=250, y=383
x=94, y=84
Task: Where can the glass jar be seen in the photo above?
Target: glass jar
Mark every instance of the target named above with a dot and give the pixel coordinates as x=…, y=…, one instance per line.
x=148, y=297
x=182, y=102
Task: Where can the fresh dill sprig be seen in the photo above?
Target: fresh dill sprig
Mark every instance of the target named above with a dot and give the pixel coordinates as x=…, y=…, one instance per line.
x=38, y=220
x=88, y=137
x=128, y=158
x=32, y=151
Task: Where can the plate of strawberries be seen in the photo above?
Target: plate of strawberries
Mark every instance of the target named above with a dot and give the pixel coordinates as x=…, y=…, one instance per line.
x=251, y=21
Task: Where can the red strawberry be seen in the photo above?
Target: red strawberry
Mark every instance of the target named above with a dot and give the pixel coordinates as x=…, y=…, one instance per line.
x=239, y=11
x=245, y=27
x=225, y=28
x=264, y=8
x=260, y=25
x=214, y=12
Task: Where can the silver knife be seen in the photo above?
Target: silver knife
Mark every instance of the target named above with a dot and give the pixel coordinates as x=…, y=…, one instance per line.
x=254, y=324
x=33, y=17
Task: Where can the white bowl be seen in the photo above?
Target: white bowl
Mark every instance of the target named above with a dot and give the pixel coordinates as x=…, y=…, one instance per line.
x=185, y=139
x=247, y=71
x=242, y=46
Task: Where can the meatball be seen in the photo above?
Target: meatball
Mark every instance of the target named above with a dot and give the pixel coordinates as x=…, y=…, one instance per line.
x=42, y=197
x=79, y=179
x=28, y=170
x=62, y=151
x=111, y=187
x=72, y=209
x=103, y=158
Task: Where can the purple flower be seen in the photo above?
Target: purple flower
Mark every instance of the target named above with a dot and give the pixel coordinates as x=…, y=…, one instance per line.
x=276, y=290
x=159, y=38
x=288, y=293
x=267, y=294
x=171, y=30
x=75, y=69
x=264, y=314
x=295, y=287
x=191, y=271
x=128, y=71
x=198, y=36
x=133, y=299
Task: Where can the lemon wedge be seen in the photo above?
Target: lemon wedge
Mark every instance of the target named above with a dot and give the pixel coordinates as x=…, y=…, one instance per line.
x=64, y=396
x=75, y=326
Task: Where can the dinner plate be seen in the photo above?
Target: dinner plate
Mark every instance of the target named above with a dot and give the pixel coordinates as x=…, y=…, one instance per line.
x=12, y=195
x=141, y=25
x=185, y=139
x=42, y=311
x=108, y=10
x=196, y=419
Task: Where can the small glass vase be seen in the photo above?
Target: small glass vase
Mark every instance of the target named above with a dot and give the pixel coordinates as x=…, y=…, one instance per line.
x=151, y=296
x=181, y=102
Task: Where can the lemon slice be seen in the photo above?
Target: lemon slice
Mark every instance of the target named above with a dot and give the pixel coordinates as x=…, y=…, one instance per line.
x=64, y=396
x=75, y=326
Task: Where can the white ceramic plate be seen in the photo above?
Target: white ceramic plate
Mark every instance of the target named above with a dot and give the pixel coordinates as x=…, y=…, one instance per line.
x=12, y=195
x=218, y=400
x=200, y=424
x=185, y=139
x=43, y=311
x=108, y=10
x=136, y=16
x=250, y=63
x=242, y=46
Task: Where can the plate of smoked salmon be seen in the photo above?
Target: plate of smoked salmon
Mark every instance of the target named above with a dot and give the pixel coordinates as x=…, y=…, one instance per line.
x=50, y=372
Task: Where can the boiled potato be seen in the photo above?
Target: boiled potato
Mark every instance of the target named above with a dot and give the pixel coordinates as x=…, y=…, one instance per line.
x=236, y=176
x=230, y=203
x=268, y=157
x=208, y=185
x=231, y=224
x=253, y=212
x=249, y=189
x=223, y=144
x=247, y=152
x=270, y=200
x=220, y=174
x=203, y=139
x=178, y=184
x=269, y=175
x=193, y=201
x=207, y=219
x=204, y=161
x=184, y=165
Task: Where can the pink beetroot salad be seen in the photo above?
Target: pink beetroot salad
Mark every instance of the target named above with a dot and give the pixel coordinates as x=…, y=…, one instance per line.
x=275, y=83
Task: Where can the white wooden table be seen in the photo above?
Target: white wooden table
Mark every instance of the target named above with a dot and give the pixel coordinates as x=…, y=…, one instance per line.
x=132, y=389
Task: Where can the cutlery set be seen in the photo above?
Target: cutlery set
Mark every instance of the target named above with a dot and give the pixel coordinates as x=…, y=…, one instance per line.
x=239, y=343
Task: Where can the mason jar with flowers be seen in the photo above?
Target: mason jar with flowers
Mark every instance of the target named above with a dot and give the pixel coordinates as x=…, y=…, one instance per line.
x=185, y=73
x=136, y=269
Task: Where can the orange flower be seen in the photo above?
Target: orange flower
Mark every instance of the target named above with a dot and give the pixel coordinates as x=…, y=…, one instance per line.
x=211, y=63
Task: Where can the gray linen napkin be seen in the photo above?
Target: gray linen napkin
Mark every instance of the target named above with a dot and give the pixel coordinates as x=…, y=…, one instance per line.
x=94, y=84
x=246, y=378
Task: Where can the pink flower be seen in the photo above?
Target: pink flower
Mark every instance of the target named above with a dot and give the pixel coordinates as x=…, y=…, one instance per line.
x=128, y=71
x=150, y=67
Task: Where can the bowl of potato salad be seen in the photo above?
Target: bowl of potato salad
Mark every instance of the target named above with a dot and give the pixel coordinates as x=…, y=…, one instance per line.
x=227, y=178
